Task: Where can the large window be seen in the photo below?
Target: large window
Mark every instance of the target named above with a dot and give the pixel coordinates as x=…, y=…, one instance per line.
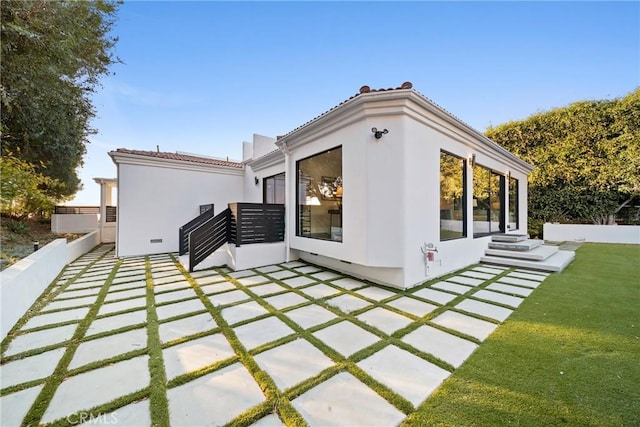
x=452, y=197
x=488, y=206
x=513, y=205
x=319, y=196
x=273, y=189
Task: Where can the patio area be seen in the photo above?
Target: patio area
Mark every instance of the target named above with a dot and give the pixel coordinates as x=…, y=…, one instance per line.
x=140, y=341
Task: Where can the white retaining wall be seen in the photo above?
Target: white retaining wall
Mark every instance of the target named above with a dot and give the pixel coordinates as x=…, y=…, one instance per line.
x=23, y=283
x=74, y=223
x=592, y=233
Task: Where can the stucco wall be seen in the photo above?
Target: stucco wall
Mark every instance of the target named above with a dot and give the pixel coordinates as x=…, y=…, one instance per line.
x=22, y=283
x=74, y=223
x=154, y=202
x=592, y=233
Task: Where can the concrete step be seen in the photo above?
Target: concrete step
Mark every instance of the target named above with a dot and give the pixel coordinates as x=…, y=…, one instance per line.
x=539, y=253
x=525, y=245
x=509, y=238
x=555, y=263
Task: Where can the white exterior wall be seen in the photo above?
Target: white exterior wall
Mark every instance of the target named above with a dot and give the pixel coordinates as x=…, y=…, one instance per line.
x=154, y=201
x=391, y=204
x=253, y=193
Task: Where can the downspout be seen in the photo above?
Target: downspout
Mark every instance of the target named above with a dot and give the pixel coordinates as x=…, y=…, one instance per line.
x=288, y=203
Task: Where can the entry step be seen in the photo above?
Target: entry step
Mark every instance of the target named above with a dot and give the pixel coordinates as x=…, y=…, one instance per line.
x=555, y=263
x=525, y=245
x=539, y=253
x=512, y=238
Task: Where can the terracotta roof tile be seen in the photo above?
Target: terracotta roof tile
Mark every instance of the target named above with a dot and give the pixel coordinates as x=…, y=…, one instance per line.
x=182, y=157
x=367, y=89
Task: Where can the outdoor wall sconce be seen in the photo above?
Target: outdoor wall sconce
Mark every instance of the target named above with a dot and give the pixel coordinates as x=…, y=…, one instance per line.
x=378, y=133
x=508, y=174
x=256, y=180
x=472, y=160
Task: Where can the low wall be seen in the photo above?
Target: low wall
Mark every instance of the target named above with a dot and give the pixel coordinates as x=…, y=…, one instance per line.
x=82, y=245
x=23, y=283
x=592, y=233
x=74, y=223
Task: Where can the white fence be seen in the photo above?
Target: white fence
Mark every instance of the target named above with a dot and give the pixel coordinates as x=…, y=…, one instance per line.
x=23, y=282
x=592, y=233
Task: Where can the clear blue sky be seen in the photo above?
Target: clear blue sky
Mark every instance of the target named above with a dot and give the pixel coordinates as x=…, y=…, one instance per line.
x=204, y=76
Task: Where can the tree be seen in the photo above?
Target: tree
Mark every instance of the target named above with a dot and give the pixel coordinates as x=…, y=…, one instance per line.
x=53, y=54
x=20, y=191
x=587, y=158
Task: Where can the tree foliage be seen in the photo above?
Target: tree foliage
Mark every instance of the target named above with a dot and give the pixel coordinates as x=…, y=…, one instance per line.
x=587, y=158
x=53, y=54
x=20, y=192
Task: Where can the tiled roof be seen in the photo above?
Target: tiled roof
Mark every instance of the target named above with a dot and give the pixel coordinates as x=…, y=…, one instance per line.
x=182, y=157
x=367, y=89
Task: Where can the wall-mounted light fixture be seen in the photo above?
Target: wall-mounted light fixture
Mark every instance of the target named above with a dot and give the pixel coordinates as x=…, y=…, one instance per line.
x=508, y=175
x=378, y=133
x=472, y=160
x=256, y=180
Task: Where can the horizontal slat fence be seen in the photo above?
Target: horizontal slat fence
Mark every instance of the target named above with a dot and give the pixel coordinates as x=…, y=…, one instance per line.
x=183, y=232
x=208, y=237
x=256, y=223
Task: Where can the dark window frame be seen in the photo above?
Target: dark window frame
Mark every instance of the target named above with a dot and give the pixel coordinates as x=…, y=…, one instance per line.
x=464, y=197
x=264, y=186
x=297, y=201
x=503, y=220
x=516, y=194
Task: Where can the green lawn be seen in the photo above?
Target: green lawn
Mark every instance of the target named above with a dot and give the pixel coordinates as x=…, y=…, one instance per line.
x=570, y=355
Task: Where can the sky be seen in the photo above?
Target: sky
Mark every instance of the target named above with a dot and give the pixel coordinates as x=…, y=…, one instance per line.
x=202, y=77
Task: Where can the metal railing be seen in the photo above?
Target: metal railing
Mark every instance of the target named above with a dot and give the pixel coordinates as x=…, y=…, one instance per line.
x=76, y=210
x=111, y=214
x=183, y=232
x=209, y=237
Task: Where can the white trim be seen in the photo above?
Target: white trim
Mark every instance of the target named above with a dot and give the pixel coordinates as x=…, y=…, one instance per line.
x=274, y=158
x=386, y=103
x=142, y=160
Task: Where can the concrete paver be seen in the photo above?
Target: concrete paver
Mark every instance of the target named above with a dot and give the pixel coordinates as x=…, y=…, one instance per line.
x=115, y=380
x=30, y=368
x=110, y=346
x=434, y=295
x=310, y=316
x=449, y=348
x=412, y=306
x=484, y=309
x=260, y=332
x=468, y=325
x=37, y=339
x=15, y=405
x=195, y=354
x=347, y=303
x=343, y=400
x=180, y=328
x=217, y=397
x=408, y=375
x=292, y=363
x=452, y=287
x=244, y=311
x=346, y=338
x=385, y=320
x=112, y=323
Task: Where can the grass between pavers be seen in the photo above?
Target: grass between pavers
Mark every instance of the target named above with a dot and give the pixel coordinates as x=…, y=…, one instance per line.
x=276, y=401
x=568, y=356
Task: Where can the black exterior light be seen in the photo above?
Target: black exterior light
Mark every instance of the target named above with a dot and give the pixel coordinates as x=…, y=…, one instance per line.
x=256, y=180
x=378, y=133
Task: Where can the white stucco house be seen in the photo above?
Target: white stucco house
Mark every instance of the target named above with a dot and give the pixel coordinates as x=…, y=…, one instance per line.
x=386, y=186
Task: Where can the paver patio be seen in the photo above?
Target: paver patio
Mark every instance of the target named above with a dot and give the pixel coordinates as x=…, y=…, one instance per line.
x=140, y=341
